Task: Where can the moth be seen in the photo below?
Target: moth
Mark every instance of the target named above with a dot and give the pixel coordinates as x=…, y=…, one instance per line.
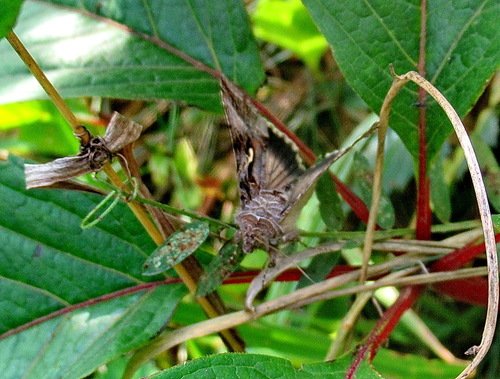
x=92, y=157
x=274, y=184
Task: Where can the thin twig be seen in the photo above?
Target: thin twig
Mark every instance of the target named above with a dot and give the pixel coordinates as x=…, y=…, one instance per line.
x=37, y=72
x=377, y=176
x=338, y=344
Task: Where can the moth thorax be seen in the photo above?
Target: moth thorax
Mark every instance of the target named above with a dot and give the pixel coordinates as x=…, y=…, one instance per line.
x=259, y=221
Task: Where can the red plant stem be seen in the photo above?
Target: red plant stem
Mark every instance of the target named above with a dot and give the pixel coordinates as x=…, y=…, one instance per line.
x=409, y=296
x=460, y=257
x=358, y=207
x=471, y=290
x=424, y=215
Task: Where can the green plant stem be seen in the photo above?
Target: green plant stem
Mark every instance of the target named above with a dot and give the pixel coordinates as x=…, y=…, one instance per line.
x=183, y=212
x=37, y=72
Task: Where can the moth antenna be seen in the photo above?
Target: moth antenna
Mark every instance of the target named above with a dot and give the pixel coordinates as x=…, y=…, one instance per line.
x=368, y=133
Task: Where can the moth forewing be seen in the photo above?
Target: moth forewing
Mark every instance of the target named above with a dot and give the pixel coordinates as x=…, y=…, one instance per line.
x=303, y=188
x=44, y=175
x=120, y=132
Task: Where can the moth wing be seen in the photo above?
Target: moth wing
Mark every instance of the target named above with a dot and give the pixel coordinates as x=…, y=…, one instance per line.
x=46, y=174
x=248, y=134
x=303, y=188
x=265, y=158
x=281, y=161
x=120, y=132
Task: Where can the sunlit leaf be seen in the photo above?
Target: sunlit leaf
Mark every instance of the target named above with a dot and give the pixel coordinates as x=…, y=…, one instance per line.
x=287, y=24
x=460, y=55
x=83, y=55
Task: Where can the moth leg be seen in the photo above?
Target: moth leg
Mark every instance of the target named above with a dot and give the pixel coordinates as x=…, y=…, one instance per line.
x=290, y=236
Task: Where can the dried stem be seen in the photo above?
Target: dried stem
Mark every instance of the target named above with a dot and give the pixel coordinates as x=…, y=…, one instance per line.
x=304, y=296
x=377, y=175
x=349, y=320
x=482, y=200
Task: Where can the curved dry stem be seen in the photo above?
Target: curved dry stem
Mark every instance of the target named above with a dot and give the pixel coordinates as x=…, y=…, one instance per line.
x=482, y=201
x=377, y=175
x=338, y=344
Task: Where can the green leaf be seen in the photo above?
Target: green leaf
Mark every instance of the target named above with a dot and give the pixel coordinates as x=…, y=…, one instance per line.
x=287, y=24
x=496, y=222
x=41, y=128
x=10, y=10
x=177, y=247
x=490, y=170
x=461, y=55
x=74, y=345
x=440, y=192
x=318, y=269
x=220, y=267
x=50, y=264
x=362, y=186
x=329, y=203
x=83, y=55
x=251, y=366
x=409, y=366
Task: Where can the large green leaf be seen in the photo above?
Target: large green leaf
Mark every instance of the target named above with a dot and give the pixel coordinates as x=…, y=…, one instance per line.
x=252, y=366
x=10, y=10
x=76, y=344
x=48, y=263
x=84, y=54
x=461, y=54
